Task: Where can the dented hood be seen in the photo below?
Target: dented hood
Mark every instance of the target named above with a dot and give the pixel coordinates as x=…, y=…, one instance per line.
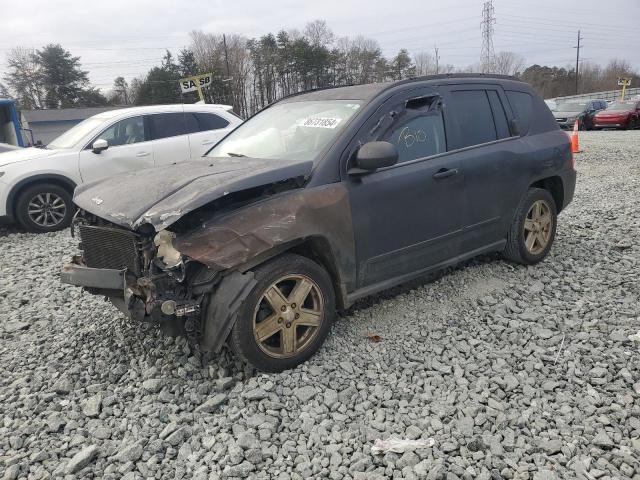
x=160, y=196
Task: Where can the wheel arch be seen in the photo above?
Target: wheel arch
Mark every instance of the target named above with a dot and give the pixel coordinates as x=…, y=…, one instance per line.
x=555, y=187
x=317, y=249
x=55, y=179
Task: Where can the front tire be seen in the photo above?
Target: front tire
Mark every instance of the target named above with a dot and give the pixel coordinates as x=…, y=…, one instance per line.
x=286, y=317
x=44, y=208
x=533, y=229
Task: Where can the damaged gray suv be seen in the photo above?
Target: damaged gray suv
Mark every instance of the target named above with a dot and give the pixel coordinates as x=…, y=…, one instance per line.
x=320, y=199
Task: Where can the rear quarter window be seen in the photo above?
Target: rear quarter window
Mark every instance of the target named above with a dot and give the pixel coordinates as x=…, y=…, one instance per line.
x=210, y=121
x=521, y=105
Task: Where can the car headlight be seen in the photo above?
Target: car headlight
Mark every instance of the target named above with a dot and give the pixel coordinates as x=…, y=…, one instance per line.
x=166, y=252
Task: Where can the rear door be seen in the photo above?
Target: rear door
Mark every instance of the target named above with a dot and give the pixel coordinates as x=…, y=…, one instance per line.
x=205, y=130
x=488, y=155
x=170, y=139
x=407, y=217
x=130, y=148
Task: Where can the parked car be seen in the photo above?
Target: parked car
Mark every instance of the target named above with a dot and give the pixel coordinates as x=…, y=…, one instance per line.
x=567, y=113
x=625, y=115
x=5, y=147
x=321, y=199
x=36, y=184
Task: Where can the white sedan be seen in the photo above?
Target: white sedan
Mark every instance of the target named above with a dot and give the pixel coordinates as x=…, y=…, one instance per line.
x=36, y=184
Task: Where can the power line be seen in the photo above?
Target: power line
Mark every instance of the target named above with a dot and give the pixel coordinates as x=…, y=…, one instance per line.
x=565, y=23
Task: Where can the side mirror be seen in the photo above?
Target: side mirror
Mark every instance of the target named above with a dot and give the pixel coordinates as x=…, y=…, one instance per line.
x=374, y=155
x=514, y=127
x=99, y=145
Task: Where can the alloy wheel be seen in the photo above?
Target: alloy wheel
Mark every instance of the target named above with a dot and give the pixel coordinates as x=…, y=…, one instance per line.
x=538, y=226
x=47, y=209
x=288, y=316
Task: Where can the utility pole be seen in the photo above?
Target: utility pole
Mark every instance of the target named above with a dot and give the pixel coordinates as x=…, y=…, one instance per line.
x=487, y=54
x=435, y=47
x=226, y=59
x=577, y=47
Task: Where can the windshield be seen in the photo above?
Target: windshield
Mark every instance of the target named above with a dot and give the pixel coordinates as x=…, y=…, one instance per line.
x=75, y=135
x=619, y=106
x=291, y=130
x=571, y=107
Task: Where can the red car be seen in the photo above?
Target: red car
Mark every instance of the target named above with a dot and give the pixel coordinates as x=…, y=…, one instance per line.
x=624, y=115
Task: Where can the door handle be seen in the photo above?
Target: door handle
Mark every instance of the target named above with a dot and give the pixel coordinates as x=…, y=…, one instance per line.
x=143, y=154
x=207, y=142
x=444, y=173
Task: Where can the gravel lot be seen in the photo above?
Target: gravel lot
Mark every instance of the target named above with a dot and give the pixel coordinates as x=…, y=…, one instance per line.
x=514, y=372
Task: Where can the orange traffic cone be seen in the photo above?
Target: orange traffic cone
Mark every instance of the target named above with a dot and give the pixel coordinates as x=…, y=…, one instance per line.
x=575, y=143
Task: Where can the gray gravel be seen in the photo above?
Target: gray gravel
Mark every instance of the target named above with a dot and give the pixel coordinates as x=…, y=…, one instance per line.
x=514, y=372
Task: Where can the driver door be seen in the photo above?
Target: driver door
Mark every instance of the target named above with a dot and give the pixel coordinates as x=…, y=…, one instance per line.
x=407, y=217
x=129, y=149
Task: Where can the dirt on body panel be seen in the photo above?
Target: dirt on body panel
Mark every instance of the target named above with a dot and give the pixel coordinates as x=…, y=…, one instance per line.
x=236, y=238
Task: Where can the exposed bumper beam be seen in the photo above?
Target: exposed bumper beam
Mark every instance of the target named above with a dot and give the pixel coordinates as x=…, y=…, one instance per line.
x=103, y=278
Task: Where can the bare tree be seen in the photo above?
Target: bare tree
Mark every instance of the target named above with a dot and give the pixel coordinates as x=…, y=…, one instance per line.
x=318, y=33
x=425, y=63
x=507, y=63
x=24, y=78
x=228, y=59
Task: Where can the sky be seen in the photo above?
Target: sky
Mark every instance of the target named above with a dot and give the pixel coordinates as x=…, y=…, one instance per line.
x=128, y=37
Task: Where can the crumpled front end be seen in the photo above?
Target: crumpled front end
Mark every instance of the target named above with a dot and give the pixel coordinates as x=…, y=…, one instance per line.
x=193, y=276
x=141, y=273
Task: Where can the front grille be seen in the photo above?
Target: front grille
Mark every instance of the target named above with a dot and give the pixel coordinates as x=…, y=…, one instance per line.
x=105, y=247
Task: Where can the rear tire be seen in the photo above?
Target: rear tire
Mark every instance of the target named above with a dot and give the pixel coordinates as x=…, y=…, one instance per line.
x=44, y=208
x=533, y=230
x=279, y=326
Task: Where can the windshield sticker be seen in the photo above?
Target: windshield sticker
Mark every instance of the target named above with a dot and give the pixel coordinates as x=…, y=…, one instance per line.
x=321, y=122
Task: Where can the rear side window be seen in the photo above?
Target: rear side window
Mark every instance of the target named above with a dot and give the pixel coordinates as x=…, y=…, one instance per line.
x=164, y=125
x=500, y=117
x=474, y=117
x=521, y=105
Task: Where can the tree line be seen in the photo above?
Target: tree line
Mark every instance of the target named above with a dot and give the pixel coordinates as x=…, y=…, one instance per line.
x=251, y=73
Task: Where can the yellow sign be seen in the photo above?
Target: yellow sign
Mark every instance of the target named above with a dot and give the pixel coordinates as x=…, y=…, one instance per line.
x=191, y=84
x=624, y=82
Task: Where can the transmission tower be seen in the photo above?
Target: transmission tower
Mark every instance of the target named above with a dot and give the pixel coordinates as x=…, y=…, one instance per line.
x=487, y=54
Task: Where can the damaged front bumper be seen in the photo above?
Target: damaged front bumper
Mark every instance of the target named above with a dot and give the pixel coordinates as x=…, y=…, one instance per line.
x=206, y=316
x=136, y=297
